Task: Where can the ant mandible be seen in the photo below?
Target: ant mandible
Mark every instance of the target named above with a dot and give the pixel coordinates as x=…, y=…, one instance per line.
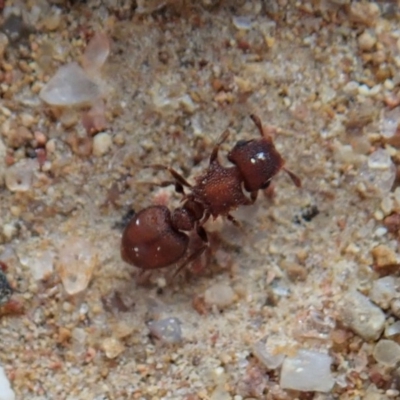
x=156, y=237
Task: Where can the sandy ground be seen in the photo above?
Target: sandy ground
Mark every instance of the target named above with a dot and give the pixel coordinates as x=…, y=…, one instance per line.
x=322, y=73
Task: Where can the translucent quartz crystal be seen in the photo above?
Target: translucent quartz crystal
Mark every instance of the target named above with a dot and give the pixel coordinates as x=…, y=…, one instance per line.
x=70, y=86
x=308, y=371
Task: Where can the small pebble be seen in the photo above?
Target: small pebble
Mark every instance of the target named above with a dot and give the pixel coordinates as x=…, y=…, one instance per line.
x=69, y=117
x=387, y=352
x=392, y=222
x=351, y=87
x=393, y=330
x=6, y=393
x=361, y=315
x=378, y=173
x=374, y=395
x=363, y=90
x=295, y=271
x=64, y=335
x=77, y=260
x=3, y=44
x=267, y=355
x=168, y=330
x=380, y=231
x=220, y=394
x=308, y=371
x=79, y=336
x=346, y=154
x=380, y=160
x=52, y=21
x=19, y=176
x=366, y=13
x=101, y=144
x=41, y=265
x=383, y=291
x=366, y=40
x=5, y=289
x=9, y=231
x=122, y=329
x=387, y=204
x=395, y=308
x=96, y=53
x=20, y=136
x=94, y=120
x=383, y=256
x=220, y=295
x=40, y=138
x=51, y=146
x=147, y=7
x=388, y=84
x=244, y=23
x=69, y=87
x=313, y=324
x=390, y=120
x=112, y=347
x=392, y=393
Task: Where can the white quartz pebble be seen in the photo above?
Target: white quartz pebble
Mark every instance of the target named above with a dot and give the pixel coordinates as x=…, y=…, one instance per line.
x=268, y=355
x=69, y=87
x=168, y=330
x=101, y=144
x=378, y=172
x=389, y=122
x=6, y=393
x=76, y=262
x=361, y=315
x=383, y=291
x=387, y=352
x=19, y=176
x=308, y=371
x=220, y=295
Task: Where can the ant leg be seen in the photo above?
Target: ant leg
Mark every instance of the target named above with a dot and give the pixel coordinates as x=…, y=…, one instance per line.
x=143, y=277
x=257, y=123
x=190, y=259
x=265, y=133
x=201, y=232
x=178, y=187
x=205, y=218
x=253, y=196
x=176, y=175
x=214, y=153
x=295, y=179
x=232, y=219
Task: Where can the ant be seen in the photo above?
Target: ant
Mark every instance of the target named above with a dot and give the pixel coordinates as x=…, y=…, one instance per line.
x=156, y=237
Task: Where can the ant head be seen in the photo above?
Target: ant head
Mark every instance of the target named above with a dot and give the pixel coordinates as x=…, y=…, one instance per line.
x=258, y=162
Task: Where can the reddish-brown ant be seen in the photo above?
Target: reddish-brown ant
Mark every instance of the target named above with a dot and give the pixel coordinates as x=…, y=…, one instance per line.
x=155, y=237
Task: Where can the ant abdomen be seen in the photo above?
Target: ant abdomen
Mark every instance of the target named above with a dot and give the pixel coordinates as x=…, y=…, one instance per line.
x=150, y=240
